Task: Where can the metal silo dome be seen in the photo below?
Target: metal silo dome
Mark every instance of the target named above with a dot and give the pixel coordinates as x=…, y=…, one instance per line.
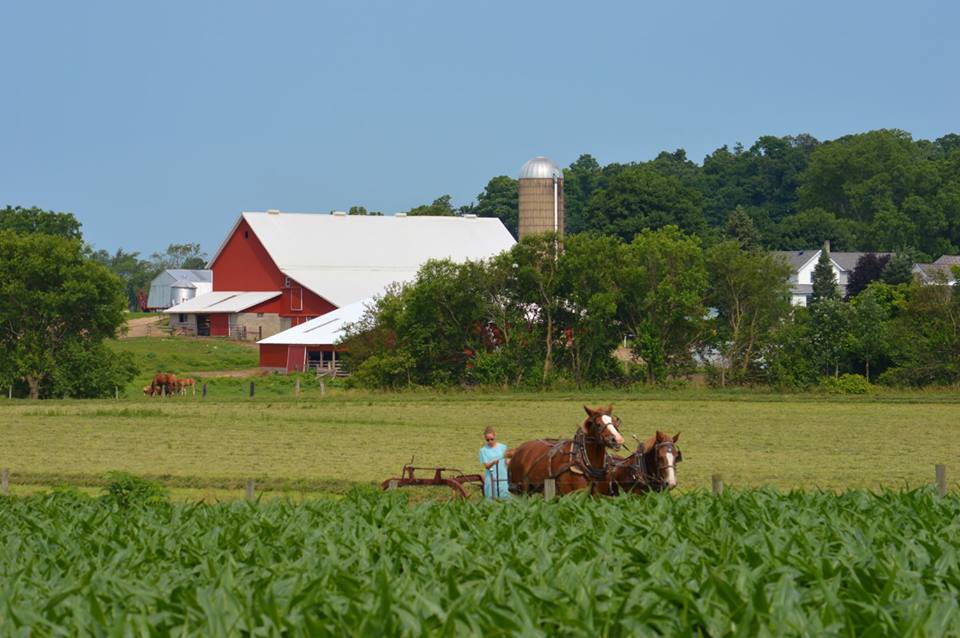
x=540, y=167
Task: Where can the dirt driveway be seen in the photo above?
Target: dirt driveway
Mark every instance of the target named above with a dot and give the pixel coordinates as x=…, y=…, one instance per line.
x=146, y=327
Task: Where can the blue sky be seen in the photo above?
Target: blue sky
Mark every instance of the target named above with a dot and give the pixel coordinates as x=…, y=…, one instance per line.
x=159, y=122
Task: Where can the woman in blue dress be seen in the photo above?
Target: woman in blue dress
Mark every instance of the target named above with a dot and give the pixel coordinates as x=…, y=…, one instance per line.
x=492, y=456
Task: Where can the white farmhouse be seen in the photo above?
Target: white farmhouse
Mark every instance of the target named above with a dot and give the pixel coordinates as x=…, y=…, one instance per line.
x=803, y=262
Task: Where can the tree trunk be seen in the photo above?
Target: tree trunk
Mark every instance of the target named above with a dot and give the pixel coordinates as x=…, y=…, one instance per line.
x=548, y=359
x=34, y=383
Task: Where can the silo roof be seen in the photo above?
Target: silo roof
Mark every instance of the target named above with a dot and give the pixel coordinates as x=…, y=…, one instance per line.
x=540, y=167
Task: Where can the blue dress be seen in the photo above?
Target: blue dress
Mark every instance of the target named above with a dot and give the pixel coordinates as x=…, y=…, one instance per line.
x=495, y=484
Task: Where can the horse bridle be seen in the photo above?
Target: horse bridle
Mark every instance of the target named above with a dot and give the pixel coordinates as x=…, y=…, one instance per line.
x=579, y=440
x=677, y=457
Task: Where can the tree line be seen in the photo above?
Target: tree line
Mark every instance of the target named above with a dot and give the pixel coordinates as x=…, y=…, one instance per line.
x=593, y=309
x=877, y=191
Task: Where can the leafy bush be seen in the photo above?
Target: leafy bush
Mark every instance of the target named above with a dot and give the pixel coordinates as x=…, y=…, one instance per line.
x=846, y=384
x=386, y=370
x=127, y=490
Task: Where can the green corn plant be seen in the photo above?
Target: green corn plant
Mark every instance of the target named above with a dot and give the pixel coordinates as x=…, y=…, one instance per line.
x=751, y=563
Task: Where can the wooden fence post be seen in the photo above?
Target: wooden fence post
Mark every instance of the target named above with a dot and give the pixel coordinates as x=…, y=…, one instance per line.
x=5, y=482
x=717, y=484
x=116, y=393
x=251, y=389
x=323, y=388
x=203, y=391
x=163, y=390
x=10, y=393
x=250, y=489
x=941, y=472
x=549, y=489
x=296, y=389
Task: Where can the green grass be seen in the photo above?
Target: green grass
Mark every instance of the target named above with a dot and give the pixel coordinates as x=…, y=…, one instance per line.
x=351, y=438
x=748, y=563
x=187, y=354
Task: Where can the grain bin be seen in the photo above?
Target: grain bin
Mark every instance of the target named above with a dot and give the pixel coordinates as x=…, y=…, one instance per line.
x=541, y=197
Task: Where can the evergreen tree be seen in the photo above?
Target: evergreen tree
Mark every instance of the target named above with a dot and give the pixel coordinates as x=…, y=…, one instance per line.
x=824, y=284
x=899, y=270
x=740, y=226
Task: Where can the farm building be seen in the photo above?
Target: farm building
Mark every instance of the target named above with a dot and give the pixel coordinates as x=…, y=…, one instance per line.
x=303, y=265
x=174, y=286
x=312, y=345
x=942, y=270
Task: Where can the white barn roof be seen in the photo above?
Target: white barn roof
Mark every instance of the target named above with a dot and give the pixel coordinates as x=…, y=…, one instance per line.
x=323, y=330
x=222, y=301
x=345, y=258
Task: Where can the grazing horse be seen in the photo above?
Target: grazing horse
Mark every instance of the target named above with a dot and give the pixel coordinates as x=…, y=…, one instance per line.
x=575, y=464
x=164, y=383
x=183, y=384
x=652, y=467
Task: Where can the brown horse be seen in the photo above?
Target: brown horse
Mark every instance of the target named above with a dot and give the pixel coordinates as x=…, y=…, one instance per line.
x=185, y=382
x=575, y=464
x=164, y=384
x=652, y=467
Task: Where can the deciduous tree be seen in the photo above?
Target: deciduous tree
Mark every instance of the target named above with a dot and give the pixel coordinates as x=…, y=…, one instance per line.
x=751, y=294
x=663, y=282
x=53, y=301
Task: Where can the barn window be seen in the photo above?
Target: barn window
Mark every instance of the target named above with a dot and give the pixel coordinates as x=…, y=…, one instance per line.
x=259, y=315
x=182, y=318
x=246, y=234
x=286, y=282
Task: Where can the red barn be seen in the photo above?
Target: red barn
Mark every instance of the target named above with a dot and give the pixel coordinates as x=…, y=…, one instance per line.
x=276, y=270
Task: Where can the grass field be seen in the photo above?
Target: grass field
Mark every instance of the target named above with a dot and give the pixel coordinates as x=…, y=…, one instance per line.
x=348, y=438
x=185, y=356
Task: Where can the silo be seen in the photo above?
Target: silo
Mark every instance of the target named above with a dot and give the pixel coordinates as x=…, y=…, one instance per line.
x=541, y=197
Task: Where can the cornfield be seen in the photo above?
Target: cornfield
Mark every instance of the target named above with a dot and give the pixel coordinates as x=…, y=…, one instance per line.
x=747, y=563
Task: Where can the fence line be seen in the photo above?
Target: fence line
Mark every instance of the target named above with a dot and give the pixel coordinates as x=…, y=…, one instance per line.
x=549, y=485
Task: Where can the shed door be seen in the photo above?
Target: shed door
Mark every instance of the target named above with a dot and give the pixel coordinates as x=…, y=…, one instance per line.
x=219, y=325
x=296, y=358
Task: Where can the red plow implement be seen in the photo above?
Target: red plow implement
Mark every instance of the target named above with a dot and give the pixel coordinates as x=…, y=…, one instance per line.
x=453, y=478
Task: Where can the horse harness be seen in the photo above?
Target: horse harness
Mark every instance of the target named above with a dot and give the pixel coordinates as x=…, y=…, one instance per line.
x=639, y=473
x=577, y=461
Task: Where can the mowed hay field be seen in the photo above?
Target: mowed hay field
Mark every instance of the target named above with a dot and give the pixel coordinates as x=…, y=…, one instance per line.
x=209, y=448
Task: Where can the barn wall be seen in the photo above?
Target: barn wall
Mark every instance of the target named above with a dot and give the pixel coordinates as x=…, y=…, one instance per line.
x=313, y=306
x=273, y=355
x=271, y=323
x=189, y=326
x=244, y=264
